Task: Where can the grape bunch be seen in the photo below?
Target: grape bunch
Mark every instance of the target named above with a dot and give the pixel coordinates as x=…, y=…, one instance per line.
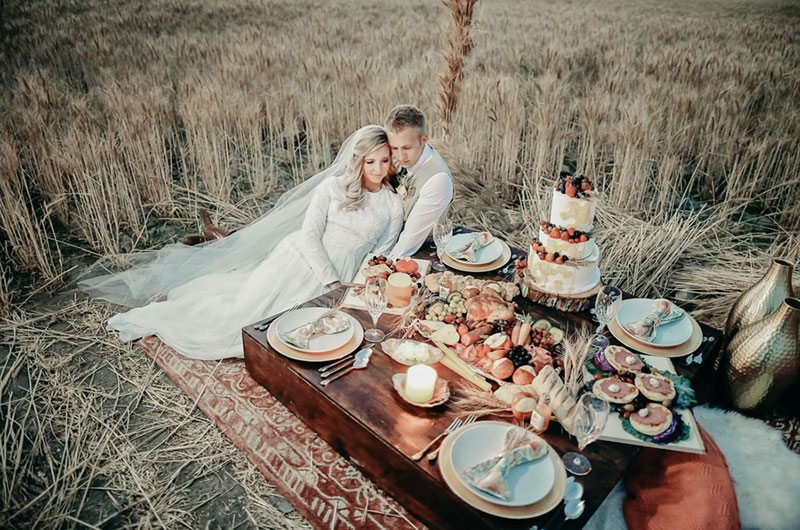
x=520, y=356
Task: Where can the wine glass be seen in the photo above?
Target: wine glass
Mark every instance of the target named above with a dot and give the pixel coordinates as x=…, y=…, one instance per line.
x=376, y=300
x=588, y=423
x=598, y=342
x=442, y=234
x=606, y=305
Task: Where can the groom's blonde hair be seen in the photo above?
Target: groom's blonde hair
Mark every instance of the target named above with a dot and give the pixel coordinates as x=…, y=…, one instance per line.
x=371, y=138
x=405, y=116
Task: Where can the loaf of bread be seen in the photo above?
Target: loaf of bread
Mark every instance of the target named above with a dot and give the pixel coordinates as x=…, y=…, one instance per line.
x=562, y=402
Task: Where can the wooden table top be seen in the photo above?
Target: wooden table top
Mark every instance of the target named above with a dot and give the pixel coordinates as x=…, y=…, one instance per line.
x=363, y=418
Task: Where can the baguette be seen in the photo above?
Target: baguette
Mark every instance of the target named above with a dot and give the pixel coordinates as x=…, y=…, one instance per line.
x=562, y=402
x=451, y=360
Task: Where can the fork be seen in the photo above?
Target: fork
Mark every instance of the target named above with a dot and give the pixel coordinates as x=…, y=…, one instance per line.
x=469, y=419
x=452, y=427
x=264, y=324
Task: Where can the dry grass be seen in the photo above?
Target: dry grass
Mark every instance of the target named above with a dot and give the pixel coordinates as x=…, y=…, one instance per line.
x=111, y=116
x=95, y=435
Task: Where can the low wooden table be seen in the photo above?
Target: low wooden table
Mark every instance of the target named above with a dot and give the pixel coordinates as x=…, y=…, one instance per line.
x=361, y=417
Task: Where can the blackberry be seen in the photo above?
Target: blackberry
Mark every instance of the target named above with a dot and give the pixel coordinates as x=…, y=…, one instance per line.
x=499, y=326
x=519, y=356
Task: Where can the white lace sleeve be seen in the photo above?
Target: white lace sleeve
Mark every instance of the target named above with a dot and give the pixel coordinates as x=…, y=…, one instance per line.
x=311, y=235
x=433, y=200
x=388, y=238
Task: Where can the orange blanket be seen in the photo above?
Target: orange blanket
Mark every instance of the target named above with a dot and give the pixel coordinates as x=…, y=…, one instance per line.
x=668, y=489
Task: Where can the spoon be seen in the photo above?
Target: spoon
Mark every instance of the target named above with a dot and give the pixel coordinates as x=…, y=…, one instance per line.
x=572, y=510
x=574, y=490
x=335, y=366
x=362, y=360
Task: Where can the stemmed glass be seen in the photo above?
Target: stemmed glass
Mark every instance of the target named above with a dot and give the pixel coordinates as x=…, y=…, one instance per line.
x=605, y=308
x=376, y=300
x=588, y=423
x=442, y=234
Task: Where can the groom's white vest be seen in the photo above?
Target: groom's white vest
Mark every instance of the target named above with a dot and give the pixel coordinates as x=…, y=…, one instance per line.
x=431, y=167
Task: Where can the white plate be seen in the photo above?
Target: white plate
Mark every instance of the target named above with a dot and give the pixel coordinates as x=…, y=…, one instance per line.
x=320, y=344
x=667, y=336
x=529, y=482
x=484, y=255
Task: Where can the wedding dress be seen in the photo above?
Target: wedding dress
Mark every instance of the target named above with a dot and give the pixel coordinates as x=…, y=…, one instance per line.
x=197, y=298
x=203, y=318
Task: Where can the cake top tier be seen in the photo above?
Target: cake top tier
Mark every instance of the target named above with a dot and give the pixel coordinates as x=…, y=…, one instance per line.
x=575, y=186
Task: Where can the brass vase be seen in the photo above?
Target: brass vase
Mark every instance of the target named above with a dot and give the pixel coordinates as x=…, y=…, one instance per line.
x=760, y=300
x=764, y=358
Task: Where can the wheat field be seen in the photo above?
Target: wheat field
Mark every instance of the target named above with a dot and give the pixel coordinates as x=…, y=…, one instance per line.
x=119, y=119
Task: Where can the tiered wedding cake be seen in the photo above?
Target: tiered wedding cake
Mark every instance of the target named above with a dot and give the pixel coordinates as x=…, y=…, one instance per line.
x=563, y=260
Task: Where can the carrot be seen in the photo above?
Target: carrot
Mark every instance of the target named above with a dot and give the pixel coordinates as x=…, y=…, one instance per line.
x=515, y=333
x=473, y=336
x=462, y=330
x=524, y=333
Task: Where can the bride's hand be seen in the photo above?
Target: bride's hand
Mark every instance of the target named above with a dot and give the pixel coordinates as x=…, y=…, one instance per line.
x=333, y=286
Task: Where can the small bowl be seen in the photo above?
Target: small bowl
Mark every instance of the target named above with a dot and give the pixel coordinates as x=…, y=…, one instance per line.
x=392, y=347
x=441, y=392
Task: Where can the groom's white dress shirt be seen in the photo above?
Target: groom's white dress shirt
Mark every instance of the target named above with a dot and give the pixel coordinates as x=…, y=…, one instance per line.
x=434, y=198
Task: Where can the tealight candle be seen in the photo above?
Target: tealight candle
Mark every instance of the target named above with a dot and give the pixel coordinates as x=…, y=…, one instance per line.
x=420, y=382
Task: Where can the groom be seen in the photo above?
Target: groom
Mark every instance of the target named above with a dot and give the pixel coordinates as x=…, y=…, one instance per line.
x=423, y=181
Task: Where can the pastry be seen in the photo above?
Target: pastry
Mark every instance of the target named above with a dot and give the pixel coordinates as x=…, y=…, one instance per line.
x=623, y=360
x=652, y=419
x=655, y=387
x=614, y=390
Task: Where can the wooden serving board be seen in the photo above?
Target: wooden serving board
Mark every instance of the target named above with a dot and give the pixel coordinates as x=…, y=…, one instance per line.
x=614, y=432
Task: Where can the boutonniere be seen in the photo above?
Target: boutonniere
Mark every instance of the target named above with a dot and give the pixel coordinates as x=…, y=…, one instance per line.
x=402, y=191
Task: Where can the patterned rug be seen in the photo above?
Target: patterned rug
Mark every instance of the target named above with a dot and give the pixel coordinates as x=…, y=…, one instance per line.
x=321, y=485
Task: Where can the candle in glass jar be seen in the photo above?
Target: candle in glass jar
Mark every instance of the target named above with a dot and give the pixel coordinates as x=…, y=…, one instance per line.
x=420, y=382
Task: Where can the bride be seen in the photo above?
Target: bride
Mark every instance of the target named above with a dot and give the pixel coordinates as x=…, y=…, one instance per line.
x=314, y=238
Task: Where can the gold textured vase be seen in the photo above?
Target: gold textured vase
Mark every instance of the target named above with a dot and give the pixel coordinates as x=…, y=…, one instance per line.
x=760, y=300
x=764, y=358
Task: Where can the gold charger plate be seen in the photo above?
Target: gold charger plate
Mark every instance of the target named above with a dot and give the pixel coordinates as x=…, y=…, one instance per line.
x=486, y=267
x=541, y=507
x=284, y=349
x=682, y=350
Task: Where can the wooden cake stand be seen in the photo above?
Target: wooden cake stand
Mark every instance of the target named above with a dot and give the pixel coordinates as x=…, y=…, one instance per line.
x=570, y=303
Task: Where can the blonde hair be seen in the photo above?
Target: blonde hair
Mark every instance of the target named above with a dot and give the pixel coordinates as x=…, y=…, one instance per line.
x=403, y=116
x=371, y=138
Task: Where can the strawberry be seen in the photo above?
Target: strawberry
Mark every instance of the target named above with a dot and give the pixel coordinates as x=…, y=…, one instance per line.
x=584, y=239
x=550, y=257
x=572, y=191
x=560, y=260
x=564, y=236
x=571, y=231
x=585, y=186
x=543, y=223
x=555, y=233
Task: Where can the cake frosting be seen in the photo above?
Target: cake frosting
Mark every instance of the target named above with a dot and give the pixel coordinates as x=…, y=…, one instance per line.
x=567, y=278
x=574, y=212
x=564, y=258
